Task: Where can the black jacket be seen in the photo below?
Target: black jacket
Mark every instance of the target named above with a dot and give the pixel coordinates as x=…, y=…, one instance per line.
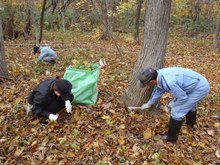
x=41, y=96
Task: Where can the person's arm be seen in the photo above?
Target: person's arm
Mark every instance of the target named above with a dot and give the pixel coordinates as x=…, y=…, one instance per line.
x=42, y=55
x=156, y=94
x=180, y=96
x=38, y=106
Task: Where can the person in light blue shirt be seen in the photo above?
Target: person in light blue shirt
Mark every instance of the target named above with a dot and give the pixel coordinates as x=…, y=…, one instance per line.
x=187, y=87
x=46, y=54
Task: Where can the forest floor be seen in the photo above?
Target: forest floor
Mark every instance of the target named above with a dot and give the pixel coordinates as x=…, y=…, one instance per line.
x=105, y=133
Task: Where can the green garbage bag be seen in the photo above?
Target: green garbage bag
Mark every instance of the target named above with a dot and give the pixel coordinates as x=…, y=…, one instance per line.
x=84, y=84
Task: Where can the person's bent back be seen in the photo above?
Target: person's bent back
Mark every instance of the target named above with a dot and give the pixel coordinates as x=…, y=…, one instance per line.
x=46, y=54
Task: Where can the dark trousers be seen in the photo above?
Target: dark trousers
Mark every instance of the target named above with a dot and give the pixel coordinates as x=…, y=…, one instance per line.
x=57, y=105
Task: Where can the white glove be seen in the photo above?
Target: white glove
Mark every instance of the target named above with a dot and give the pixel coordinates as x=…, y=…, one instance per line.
x=102, y=63
x=145, y=106
x=53, y=117
x=68, y=106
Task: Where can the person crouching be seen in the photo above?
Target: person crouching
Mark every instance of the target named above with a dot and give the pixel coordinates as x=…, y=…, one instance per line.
x=51, y=96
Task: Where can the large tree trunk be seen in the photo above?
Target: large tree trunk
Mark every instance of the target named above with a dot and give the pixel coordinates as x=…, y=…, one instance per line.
x=3, y=65
x=137, y=21
x=153, y=49
x=217, y=33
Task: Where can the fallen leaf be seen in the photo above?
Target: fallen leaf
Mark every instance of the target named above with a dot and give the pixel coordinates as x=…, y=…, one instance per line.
x=121, y=140
x=217, y=153
x=147, y=133
x=19, y=151
x=106, y=117
x=70, y=154
x=217, y=125
x=107, y=105
x=210, y=132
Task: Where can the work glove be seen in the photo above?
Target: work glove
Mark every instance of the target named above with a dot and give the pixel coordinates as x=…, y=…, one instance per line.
x=102, y=63
x=68, y=106
x=53, y=117
x=145, y=106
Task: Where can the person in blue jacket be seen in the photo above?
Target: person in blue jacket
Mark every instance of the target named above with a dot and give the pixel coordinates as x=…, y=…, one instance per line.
x=187, y=87
x=47, y=54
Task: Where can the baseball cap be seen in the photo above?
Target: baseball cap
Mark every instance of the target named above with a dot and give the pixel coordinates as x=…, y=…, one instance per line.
x=145, y=76
x=36, y=49
x=64, y=88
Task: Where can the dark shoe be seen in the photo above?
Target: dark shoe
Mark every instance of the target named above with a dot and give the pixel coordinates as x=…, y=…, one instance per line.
x=173, y=130
x=52, y=62
x=44, y=122
x=191, y=118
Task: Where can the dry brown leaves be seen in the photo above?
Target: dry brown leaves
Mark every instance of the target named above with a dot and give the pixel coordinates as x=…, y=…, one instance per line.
x=105, y=133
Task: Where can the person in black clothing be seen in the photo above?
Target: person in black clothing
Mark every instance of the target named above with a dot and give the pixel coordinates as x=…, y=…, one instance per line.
x=51, y=96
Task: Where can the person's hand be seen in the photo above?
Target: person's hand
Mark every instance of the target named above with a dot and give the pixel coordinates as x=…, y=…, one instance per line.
x=53, y=117
x=102, y=63
x=145, y=106
x=68, y=106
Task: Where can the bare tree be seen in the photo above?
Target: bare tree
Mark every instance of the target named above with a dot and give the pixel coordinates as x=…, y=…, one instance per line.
x=195, y=9
x=153, y=49
x=9, y=26
x=31, y=7
x=105, y=18
x=42, y=19
x=3, y=65
x=216, y=36
x=137, y=21
x=64, y=5
x=27, y=29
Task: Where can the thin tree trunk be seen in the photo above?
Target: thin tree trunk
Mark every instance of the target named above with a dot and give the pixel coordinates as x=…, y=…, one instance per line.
x=63, y=21
x=106, y=20
x=65, y=4
x=32, y=5
x=42, y=20
x=216, y=35
x=137, y=22
x=27, y=29
x=153, y=49
x=3, y=65
x=9, y=28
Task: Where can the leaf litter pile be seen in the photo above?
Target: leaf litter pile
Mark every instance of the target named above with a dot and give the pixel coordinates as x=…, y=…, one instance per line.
x=105, y=133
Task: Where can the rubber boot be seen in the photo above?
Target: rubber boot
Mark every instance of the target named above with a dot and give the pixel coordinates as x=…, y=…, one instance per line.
x=173, y=130
x=191, y=119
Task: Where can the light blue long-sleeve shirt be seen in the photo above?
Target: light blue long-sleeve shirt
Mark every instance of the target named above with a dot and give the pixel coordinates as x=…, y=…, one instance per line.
x=177, y=81
x=46, y=52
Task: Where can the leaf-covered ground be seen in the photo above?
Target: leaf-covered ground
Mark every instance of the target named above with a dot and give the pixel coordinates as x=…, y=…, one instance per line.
x=105, y=133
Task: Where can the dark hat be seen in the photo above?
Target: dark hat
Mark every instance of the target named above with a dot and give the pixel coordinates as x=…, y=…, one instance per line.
x=36, y=49
x=146, y=75
x=64, y=88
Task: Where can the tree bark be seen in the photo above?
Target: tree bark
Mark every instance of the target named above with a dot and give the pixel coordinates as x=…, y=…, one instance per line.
x=3, y=65
x=32, y=5
x=9, y=28
x=106, y=20
x=65, y=5
x=216, y=35
x=42, y=20
x=137, y=21
x=153, y=49
x=27, y=29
